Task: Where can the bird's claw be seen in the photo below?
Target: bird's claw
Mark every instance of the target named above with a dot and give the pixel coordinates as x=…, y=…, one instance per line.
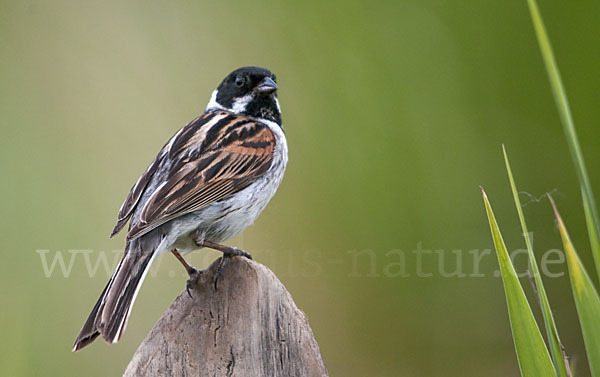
x=235, y=252
x=229, y=253
x=220, y=268
x=194, y=275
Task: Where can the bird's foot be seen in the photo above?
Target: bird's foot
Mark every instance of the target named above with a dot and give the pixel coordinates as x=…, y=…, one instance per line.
x=219, y=269
x=194, y=274
x=228, y=253
x=235, y=252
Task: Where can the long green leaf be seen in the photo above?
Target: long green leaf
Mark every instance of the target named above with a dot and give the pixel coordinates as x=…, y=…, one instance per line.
x=586, y=298
x=558, y=356
x=560, y=97
x=532, y=354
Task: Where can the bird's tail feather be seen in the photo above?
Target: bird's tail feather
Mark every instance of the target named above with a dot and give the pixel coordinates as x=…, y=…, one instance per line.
x=109, y=316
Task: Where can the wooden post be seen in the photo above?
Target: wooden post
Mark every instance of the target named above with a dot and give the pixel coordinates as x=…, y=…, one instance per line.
x=249, y=326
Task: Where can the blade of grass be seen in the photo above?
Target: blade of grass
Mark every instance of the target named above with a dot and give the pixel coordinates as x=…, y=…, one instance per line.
x=586, y=298
x=533, y=357
x=559, y=359
x=591, y=217
x=560, y=97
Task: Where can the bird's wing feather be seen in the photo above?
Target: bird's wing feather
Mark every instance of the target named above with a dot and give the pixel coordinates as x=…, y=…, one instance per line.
x=130, y=203
x=209, y=163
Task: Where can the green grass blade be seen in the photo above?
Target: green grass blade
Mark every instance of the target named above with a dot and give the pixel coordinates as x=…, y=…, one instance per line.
x=591, y=219
x=532, y=354
x=586, y=298
x=560, y=97
x=556, y=349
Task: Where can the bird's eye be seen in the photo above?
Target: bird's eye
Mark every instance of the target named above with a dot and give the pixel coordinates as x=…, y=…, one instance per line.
x=240, y=81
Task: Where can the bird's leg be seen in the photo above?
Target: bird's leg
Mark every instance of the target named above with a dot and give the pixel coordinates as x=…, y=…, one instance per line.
x=228, y=252
x=192, y=272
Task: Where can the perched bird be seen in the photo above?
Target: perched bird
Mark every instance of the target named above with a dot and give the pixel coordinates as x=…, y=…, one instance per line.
x=208, y=183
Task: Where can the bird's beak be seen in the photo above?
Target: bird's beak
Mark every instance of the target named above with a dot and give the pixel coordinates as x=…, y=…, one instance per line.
x=267, y=86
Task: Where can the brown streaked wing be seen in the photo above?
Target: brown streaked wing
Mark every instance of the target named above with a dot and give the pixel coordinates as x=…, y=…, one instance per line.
x=236, y=157
x=135, y=193
x=185, y=137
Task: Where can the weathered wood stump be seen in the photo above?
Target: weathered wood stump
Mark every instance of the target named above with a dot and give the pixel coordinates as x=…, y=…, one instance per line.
x=249, y=326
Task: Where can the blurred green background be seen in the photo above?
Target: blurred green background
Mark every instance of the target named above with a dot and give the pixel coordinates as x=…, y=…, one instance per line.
x=395, y=112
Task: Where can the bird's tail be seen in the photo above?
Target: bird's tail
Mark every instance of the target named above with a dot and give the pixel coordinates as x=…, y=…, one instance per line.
x=109, y=316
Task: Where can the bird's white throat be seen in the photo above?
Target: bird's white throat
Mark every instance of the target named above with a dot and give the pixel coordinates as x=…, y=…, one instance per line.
x=239, y=105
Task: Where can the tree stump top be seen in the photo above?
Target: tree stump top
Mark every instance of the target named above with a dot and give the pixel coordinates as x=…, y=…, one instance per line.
x=249, y=326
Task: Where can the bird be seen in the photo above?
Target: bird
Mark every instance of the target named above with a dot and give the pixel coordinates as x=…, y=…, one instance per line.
x=208, y=183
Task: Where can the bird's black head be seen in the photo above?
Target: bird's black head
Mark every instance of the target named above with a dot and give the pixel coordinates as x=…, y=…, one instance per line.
x=250, y=91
